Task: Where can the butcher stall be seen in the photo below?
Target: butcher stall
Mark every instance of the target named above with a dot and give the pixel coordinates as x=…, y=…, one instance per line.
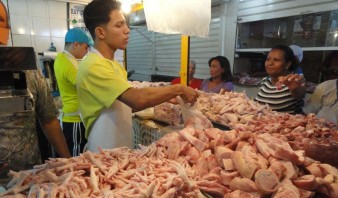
x=263, y=154
x=224, y=146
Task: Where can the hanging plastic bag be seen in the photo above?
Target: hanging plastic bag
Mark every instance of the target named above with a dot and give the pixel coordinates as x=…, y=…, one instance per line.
x=187, y=17
x=193, y=117
x=168, y=113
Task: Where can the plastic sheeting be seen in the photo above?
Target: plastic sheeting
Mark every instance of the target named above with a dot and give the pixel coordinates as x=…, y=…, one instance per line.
x=187, y=17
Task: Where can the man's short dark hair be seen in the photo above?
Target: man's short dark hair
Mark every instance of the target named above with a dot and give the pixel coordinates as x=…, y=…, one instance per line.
x=97, y=13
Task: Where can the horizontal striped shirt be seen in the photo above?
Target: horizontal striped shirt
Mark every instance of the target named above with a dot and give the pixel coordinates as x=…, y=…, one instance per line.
x=279, y=100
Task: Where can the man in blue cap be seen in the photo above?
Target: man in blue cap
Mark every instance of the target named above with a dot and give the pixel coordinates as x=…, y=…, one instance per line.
x=66, y=66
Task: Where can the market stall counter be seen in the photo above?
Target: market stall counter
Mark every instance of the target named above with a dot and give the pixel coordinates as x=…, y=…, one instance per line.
x=147, y=131
x=265, y=146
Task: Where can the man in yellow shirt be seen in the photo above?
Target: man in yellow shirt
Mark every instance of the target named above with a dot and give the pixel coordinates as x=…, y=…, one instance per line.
x=106, y=99
x=66, y=67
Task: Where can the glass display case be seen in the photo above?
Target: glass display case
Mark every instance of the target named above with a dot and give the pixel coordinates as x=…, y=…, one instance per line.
x=315, y=33
x=309, y=30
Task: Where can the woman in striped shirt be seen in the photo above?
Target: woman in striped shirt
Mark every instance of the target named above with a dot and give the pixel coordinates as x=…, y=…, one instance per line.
x=282, y=90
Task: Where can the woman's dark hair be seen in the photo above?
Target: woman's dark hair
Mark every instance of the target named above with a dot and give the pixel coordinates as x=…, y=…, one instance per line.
x=97, y=13
x=288, y=56
x=224, y=62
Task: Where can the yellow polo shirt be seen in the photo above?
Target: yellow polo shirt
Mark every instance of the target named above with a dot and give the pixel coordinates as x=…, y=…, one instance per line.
x=65, y=68
x=99, y=82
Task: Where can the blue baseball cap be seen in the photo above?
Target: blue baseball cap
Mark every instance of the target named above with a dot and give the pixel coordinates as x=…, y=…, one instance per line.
x=77, y=35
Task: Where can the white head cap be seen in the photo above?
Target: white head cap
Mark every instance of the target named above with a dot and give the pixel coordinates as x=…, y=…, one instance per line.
x=297, y=51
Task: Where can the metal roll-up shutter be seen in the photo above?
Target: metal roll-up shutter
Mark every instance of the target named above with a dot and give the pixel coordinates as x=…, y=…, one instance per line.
x=141, y=53
x=167, y=54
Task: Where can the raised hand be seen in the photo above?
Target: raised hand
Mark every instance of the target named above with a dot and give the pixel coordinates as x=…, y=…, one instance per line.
x=292, y=81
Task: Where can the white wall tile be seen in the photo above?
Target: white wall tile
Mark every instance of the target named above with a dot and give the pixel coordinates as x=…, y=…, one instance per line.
x=10, y=40
x=59, y=43
x=37, y=22
x=20, y=24
x=18, y=7
x=57, y=10
x=33, y=42
x=38, y=8
x=5, y=3
x=41, y=26
x=22, y=40
x=42, y=43
x=58, y=27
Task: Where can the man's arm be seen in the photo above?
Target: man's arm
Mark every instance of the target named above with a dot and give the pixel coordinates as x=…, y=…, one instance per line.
x=139, y=99
x=46, y=112
x=55, y=137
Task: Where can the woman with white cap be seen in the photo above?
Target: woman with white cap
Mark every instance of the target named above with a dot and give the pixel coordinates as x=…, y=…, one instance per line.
x=298, y=52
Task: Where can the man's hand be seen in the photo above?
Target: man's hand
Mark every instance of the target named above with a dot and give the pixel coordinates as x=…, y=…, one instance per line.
x=189, y=95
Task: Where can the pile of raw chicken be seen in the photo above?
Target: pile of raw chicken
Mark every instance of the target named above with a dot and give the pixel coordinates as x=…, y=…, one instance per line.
x=222, y=164
x=231, y=108
x=262, y=156
x=144, y=84
x=317, y=137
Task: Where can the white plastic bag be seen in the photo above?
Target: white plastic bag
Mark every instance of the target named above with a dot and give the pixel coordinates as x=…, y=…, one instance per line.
x=188, y=17
x=193, y=117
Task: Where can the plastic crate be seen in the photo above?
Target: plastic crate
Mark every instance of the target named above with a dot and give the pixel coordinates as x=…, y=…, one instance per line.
x=146, y=132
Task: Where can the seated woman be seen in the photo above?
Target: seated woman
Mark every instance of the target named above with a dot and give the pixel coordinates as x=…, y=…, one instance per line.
x=282, y=90
x=220, y=76
x=193, y=82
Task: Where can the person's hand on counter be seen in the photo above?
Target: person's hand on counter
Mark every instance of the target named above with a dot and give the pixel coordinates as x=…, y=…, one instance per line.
x=188, y=94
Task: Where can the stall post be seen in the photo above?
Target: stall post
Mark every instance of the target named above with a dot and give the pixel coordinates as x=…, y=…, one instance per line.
x=185, y=51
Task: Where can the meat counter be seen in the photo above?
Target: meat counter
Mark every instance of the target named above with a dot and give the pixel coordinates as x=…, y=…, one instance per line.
x=146, y=131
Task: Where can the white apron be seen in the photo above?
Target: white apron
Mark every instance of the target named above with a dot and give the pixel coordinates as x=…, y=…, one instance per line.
x=112, y=129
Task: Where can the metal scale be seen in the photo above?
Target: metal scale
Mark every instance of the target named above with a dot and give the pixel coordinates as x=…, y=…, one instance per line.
x=14, y=95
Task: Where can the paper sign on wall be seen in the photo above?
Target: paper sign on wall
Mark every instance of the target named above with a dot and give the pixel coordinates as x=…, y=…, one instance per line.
x=76, y=16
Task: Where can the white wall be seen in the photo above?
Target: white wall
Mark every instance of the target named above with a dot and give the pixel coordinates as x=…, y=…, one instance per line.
x=37, y=23
x=229, y=25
